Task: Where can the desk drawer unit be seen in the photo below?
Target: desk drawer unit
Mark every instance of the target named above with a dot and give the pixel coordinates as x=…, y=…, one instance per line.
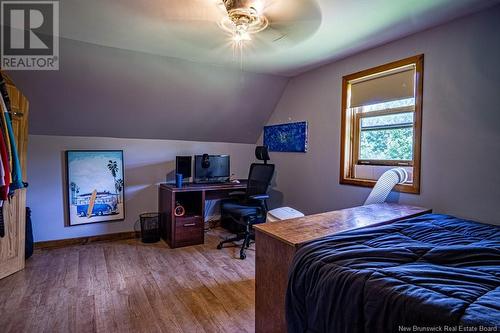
x=189, y=230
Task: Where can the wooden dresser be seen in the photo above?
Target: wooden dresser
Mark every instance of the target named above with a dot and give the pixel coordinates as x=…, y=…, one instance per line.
x=277, y=243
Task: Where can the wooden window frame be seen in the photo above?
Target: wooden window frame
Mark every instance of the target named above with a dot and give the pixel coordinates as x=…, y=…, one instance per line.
x=349, y=149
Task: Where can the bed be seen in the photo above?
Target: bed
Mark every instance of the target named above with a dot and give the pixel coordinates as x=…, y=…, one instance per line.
x=428, y=273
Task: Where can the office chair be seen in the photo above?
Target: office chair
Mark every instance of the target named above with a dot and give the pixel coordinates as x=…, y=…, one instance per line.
x=249, y=207
x=385, y=184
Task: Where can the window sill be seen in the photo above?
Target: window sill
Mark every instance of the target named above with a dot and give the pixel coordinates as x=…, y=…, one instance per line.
x=403, y=188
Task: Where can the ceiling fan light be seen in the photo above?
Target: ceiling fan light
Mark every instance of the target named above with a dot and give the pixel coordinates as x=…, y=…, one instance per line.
x=244, y=13
x=241, y=36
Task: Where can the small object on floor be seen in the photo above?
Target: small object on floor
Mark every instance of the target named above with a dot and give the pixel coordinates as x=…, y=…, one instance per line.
x=150, y=227
x=283, y=213
x=28, y=249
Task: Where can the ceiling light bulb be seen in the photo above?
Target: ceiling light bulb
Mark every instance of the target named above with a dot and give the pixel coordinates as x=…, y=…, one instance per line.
x=241, y=36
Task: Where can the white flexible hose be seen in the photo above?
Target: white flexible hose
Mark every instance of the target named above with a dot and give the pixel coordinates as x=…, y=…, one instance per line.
x=385, y=184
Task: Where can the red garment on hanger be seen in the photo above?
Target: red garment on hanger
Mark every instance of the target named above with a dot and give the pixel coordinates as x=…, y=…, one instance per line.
x=4, y=190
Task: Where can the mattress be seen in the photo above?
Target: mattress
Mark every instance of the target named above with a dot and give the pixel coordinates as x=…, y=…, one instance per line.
x=430, y=273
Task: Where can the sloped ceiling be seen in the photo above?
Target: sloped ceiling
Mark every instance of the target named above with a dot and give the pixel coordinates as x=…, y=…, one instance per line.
x=163, y=69
x=109, y=92
x=302, y=33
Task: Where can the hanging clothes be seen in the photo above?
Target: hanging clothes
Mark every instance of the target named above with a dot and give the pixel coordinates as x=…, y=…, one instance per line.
x=10, y=167
x=16, y=173
x=5, y=166
x=3, y=121
x=5, y=161
x=5, y=134
x=2, y=175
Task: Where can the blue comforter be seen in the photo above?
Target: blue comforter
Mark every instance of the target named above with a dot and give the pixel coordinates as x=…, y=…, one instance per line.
x=431, y=273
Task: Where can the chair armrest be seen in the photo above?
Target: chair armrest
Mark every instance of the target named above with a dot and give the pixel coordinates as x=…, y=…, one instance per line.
x=259, y=197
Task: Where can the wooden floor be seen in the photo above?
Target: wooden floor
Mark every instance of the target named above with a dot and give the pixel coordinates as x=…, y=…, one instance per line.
x=127, y=286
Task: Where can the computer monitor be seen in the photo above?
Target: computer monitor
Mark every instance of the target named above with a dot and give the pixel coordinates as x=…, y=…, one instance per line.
x=211, y=168
x=183, y=166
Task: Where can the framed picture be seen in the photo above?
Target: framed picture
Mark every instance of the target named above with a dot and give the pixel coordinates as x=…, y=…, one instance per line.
x=290, y=137
x=95, y=186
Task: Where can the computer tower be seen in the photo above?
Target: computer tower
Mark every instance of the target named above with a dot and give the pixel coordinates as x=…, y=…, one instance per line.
x=183, y=165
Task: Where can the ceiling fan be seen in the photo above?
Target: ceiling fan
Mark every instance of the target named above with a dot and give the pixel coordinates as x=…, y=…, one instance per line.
x=261, y=25
x=270, y=21
x=244, y=17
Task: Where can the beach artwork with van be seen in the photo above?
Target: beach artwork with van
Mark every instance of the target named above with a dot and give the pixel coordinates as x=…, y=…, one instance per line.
x=95, y=186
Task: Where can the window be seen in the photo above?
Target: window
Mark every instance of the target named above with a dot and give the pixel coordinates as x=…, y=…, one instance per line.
x=381, y=123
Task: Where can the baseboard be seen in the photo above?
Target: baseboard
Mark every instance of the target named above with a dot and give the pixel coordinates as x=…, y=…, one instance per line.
x=85, y=240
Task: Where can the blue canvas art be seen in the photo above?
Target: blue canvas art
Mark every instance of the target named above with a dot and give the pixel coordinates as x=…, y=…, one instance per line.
x=290, y=137
x=95, y=186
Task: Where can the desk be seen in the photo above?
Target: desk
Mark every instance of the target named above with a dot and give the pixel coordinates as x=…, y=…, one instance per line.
x=187, y=230
x=277, y=242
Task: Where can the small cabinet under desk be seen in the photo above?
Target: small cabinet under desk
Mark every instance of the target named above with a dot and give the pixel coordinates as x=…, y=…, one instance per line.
x=188, y=229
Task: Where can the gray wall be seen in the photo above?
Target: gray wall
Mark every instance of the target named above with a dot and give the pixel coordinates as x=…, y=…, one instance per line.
x=461, y=117
x=147, y=162
x=101, y=92
x=109, y=92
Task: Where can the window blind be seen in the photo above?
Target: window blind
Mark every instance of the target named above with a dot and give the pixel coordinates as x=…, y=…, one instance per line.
x=383, y=88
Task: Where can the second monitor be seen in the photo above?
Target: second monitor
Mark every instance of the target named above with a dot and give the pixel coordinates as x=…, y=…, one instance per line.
x=211, y=168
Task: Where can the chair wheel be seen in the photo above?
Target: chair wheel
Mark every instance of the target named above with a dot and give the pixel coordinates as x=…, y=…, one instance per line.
x=219, y=246
x=243, y=256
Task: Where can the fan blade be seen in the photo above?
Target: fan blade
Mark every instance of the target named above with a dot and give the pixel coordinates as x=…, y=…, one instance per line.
x=188, y=33
x=260, y=43
x=193, y=10
x=271, y=34
x=290, y=22
x=295, y=31
x=297, y=10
